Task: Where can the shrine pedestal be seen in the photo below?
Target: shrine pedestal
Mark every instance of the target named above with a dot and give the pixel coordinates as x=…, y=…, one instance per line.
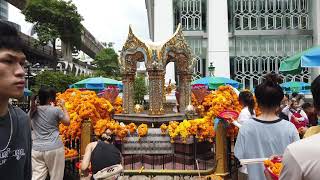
x=156, y=120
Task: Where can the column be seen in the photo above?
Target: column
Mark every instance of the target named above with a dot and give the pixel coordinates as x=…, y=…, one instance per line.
x=155, y=92
x=86, y=131
x=127, y=103
x=184, y=90
x=218, y=37
x=66, y=50
x=316, y=32
x=163, y=28
x=221, y=151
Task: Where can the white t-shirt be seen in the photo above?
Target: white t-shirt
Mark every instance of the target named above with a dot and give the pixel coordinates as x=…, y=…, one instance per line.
x=301, y=159
x=245, y=115
x=261, y=139
x=286, y=110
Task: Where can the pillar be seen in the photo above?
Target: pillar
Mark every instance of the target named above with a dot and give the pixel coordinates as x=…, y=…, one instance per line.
x=221, y=150
x=316, y=32
x=155, y=92
x=86, y=129
x=66, y=50
x=164, y=89
x=163, y=28
x=128, y=91
x=184, y=90
x=218, y=37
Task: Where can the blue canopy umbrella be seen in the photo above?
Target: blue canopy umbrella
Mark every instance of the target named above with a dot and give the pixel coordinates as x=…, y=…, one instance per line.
x=27, y=92
x=299, y=87
x=96, y=83
x=308, y=58
x=214, y=82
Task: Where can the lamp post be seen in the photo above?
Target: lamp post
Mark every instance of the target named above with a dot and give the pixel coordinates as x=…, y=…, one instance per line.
x=211, y=69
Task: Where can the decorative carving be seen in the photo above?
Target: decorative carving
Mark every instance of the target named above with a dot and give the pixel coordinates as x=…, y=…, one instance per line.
x=156, y=57
x=128, y=104
x=178, y=50
x=133, y=44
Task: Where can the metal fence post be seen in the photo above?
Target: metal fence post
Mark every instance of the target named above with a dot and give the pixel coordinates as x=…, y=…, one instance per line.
x=85, y=136
x=221, y=150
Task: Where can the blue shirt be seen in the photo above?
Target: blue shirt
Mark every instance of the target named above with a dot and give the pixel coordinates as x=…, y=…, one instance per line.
x=261, y=139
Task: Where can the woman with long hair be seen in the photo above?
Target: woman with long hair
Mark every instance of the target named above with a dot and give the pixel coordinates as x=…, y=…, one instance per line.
x=266, y=134
x=47, y=147
x=247, y=102
x=101, y=162
x=246, y=99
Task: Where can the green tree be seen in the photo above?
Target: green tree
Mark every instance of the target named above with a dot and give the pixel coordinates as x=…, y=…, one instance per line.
x=107, y=63
x=54, y=19
x=140, y=89
x=57, y=80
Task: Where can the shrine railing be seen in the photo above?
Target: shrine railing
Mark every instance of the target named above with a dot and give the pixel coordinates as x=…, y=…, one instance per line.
x=154, y=155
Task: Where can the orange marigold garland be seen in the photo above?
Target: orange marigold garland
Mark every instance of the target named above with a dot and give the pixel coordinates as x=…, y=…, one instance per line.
x=163, y=128
x=132, y=128
x=83, y=105
x=172, y=130
x=68, y=153
x=224, y=98
x=274, y=167
x=142, y=130
x=118, y=105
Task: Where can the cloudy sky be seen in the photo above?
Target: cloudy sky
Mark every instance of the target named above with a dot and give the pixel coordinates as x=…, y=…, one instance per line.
x=107, y=20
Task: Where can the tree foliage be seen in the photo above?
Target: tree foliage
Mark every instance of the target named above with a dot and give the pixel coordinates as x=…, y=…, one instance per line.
x=140, y=89
x=54, y=19
x=57, y=80
x=107, y=63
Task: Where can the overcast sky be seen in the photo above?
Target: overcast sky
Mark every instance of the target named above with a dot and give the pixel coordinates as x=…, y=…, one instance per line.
x=107, y=20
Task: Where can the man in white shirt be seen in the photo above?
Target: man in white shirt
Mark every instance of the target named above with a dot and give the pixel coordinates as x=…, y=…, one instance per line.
x=301, y=159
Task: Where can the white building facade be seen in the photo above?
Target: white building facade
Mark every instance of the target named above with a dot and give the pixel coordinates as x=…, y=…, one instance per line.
x=243, y=39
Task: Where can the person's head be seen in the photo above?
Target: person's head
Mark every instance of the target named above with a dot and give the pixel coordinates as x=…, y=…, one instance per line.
x=246, y=99
x=285, y=101
x=307, y=107
x=294, y=104
x=300, y=97
x=315, y=90
x=107, y=136
x=294, y=95
x=12, y=62
x=46, y=95
x=269, y=94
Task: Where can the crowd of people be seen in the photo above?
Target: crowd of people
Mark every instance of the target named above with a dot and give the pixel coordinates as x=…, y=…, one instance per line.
x=30, y=146
x=277, y=131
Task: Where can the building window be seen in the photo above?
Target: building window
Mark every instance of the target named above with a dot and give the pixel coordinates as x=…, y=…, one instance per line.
x=199, y=49
x=3, y=10
x=271, y=14
x=253, y=57
x=191, y=14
